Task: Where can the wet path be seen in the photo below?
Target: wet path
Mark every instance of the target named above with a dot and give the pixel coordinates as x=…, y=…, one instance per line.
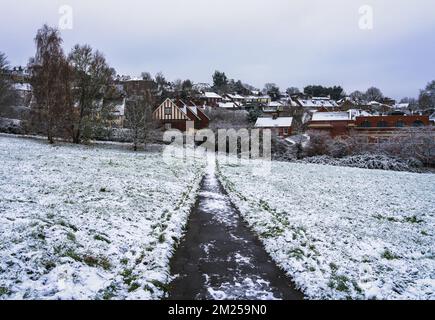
x=220, y=258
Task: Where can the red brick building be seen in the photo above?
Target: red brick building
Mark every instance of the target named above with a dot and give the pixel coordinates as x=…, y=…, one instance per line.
x=334, y=123
x=346, y=123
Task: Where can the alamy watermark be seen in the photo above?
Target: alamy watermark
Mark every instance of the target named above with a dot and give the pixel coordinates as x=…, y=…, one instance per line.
x=366, y=17
x=66, y=20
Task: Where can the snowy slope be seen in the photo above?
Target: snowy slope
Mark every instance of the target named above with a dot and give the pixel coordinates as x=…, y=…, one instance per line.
x=84, y=223
x=343, y=232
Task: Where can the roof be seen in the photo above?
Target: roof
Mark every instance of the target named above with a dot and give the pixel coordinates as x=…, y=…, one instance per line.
x=120, y=108
x=275, y=104
x=401, y=106
x=236, y=96
x=211, y=95
x=274, y=123
x=331, y=116
x=317, y=102
x=22, y=87
x=228, y=105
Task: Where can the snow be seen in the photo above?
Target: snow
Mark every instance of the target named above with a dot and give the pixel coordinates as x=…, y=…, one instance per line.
x=82, y=222
x=271, y=122
x=331, y=116
x=317, y=102
x=342, y=232
x=211, y=95
x=228, y=105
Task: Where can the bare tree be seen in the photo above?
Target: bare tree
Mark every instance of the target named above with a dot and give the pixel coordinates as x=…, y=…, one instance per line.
x=92, y=80
x=7, y=94
x=50, y=78
x=139, y=118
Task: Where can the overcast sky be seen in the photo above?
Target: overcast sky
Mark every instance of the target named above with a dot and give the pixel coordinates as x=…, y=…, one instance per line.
x=289, y=42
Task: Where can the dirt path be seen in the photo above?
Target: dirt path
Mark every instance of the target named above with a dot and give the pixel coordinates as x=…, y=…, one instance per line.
x=220, y=258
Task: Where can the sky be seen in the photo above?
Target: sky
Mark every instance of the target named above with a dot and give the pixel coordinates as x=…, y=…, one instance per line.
x=287, y=42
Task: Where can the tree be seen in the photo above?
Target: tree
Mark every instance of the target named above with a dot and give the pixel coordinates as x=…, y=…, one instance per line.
x=7, y=94
x=254, y=114
x=272, y=90
x=357, y=96
x=92, y=78
x=51, y=82
x=292, y=90
x=146, y=76
x=220, y=81
x=426, y=99
x=139, y=118
x=335, y=92
x=162, y=85
x=373, y=94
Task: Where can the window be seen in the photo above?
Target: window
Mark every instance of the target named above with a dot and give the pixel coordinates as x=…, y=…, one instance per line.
x=168, y=126
x=400, y=124
x=168, y=111
x=366, y=124
x=418, y=123
x=286, y=131
x=382, y=124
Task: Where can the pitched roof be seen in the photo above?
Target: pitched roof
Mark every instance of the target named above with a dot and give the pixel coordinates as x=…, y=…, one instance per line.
x=211, y=95
x=274, y=123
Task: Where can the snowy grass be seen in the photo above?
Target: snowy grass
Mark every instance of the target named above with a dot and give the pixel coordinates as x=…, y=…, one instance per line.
x=342, y=233
x=89, y=223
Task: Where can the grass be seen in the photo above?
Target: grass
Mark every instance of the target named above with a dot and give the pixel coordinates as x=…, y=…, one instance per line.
x=4, y=291
x=413, y=219
x=387, y=254
x=339, y=283
x=101, y=238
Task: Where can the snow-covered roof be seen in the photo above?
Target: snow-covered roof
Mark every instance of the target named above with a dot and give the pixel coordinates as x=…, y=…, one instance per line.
x=236, y=96
x=120, y=108
x=401, y=106
x=331, y=116
x=274, y=104
x=211, y=95
x=274, y=122
x=22, y=87
x=227, y=105
x=317, y=102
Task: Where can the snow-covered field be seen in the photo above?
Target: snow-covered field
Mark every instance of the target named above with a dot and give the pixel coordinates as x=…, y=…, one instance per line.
x=340, y=232
x=83, y=223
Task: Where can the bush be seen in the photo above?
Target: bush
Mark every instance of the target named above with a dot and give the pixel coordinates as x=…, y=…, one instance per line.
x=369, y=161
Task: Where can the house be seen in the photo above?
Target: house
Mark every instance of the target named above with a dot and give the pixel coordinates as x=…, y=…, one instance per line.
x=176, y=114
x=237, y=98
x=282, y=127
x=338, y=123
x=210, y=99
x=119, y=113
x=273, y=107
x=335, y=123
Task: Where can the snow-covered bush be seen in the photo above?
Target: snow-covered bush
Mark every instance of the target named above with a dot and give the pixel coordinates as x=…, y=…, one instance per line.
x=369, y=161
